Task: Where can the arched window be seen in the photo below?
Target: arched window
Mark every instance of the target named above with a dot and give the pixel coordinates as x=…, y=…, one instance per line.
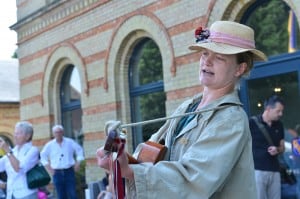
x=280, y=75
x=275, y=26
x=147, y=95
x=70, y=94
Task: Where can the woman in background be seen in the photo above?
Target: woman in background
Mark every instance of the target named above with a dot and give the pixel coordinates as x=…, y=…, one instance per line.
x=18, y=161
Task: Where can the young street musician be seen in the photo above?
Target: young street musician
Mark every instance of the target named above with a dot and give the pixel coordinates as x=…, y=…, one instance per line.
x=209, y=154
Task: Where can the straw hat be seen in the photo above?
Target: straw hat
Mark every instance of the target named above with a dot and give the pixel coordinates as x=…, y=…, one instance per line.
x=227, y=37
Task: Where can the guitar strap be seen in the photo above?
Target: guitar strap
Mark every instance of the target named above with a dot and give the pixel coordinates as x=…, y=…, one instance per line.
x=117, y=176
x=263, y=130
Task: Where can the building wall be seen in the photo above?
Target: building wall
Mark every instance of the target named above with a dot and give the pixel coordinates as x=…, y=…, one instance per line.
x=97, y=36
x=9, y=116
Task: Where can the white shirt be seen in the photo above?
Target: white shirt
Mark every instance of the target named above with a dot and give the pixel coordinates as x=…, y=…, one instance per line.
x=61, y=156
x=28, y=157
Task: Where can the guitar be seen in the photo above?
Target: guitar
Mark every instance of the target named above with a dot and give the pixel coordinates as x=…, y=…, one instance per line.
x=150, y=151
x=115, y=142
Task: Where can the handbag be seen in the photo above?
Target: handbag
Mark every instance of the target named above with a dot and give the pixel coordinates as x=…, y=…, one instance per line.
x=37, y=177
x=287, y=175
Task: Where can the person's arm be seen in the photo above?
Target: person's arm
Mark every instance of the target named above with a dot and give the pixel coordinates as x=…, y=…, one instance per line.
x=45, y=159
x=293, y=132
x=280, y=148
x=79, y=155
x=275, y=150
x=217, y=149
x=2, y=185
x=9, y=154
x=27, y=161
x=127, y=172
x=15, y=163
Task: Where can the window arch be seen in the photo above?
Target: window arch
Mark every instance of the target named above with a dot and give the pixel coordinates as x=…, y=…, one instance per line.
x=270, y=20
x=70, y=98
x=147, y=97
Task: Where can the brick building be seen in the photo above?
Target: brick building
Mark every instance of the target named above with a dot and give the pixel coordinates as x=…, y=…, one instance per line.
x=9, y=98
x=80, y=62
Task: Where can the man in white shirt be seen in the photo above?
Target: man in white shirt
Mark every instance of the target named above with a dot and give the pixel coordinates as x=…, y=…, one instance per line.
x=58, y=158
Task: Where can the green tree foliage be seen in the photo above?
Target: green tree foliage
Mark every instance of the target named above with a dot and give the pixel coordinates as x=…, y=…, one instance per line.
x=15, y=55
x=152, y=107
x=150, y=63
x=270, y=22
x=150, y=70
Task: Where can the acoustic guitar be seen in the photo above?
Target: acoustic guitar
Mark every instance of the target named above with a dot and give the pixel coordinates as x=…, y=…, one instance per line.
x=150, y=151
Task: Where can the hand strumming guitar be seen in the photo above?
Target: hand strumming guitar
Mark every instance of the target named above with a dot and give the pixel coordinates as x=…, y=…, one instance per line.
x=149, y=151
x=104, y=157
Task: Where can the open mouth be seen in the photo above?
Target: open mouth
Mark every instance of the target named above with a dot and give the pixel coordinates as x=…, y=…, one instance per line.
x=207, y=72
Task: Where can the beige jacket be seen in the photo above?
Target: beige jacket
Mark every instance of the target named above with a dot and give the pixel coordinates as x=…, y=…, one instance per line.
x=211, y=158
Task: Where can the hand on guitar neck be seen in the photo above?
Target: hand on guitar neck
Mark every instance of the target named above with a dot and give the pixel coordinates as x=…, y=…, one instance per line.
x=150, y=151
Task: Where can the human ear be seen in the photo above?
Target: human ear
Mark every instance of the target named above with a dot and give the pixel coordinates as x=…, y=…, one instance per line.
x=241, y=69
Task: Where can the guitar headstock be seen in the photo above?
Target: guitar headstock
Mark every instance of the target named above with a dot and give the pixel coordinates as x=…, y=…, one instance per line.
x=110, y=144
x=114, y=138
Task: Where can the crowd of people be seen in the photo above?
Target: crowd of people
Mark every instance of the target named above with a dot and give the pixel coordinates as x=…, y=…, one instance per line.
x=211, y=153
x=58, y=156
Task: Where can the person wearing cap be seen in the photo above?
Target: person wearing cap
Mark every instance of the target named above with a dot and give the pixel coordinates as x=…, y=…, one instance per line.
x=209, y=154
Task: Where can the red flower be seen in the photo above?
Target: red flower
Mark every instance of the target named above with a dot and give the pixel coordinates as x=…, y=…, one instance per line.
x=198, y=31
x=201, y=34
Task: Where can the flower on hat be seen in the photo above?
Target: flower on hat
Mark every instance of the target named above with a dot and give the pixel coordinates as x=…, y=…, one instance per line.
x=227, y=37
x=201, y=34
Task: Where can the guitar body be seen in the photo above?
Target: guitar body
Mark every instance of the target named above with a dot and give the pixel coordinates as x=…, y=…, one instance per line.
x=150, y=151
